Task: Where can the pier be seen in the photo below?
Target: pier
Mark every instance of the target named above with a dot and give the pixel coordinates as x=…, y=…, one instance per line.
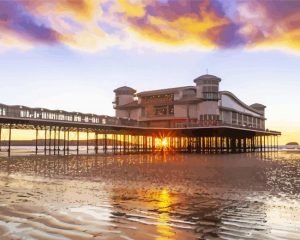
x=58, y=132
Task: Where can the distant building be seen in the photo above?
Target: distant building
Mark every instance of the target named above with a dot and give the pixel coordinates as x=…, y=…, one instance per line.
x=199, y=105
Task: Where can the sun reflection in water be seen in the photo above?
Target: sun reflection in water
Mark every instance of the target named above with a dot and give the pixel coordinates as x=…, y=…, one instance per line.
x=163, y=228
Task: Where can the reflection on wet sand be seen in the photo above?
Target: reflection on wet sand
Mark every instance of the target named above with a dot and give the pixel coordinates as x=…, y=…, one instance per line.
x=163, y=228
x=246, y=196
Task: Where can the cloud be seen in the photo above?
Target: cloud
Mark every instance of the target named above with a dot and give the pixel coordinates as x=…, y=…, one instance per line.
x=19, y=27
x=97, y=24
x=270, y=23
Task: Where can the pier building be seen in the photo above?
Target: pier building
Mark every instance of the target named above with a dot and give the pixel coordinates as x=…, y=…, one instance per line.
x=200, y=105
x=198, y=118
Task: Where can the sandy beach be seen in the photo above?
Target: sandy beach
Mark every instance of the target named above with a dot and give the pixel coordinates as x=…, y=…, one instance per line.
x=162, y=196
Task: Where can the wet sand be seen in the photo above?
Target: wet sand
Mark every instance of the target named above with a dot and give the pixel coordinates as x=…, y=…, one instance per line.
x=162, y=196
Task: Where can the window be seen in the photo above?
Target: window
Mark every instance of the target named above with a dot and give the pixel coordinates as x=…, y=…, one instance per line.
x=44, y=115
x=61, y=117
x=36, y=114
x=245, y=120
x=189, y=92
x=77, y=118
x=234, y=118
x=254, y=122
x=24, y=113
x=209, y=119
x=161, y=110
x=171, y=109
x=240, y=117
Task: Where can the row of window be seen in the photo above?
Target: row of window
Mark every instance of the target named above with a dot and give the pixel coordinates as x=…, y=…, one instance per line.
x=210, y=81
x=160, y=97
x=211, y=89
x=209, y=117
x=164, y=110
x=213, y=96
x=242, y=119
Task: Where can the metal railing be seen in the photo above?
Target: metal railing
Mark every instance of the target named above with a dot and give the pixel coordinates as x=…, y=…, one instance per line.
x=63, y=116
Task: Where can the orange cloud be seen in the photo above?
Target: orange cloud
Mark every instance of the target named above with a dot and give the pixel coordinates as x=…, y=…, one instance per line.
x=196, y=25
x=132, y=9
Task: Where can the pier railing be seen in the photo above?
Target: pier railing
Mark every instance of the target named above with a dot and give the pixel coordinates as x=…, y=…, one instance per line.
x=64, y=116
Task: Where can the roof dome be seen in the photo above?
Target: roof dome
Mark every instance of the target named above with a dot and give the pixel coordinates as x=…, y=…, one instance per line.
x=125, y=90
x=206, y=77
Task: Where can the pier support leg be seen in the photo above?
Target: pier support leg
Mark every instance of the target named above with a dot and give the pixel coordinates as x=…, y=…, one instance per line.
x=9, y=141
x=0, y=138
x=96, y=142
x=68, y=143
x=233, y=145
x=153, y=143
x=87, y=142
x=54, y=141
x=36, y=140
x=124, y=144
x=77, y=149
x=64, y=141
x=49, y=141
x=114, y=143
x=45, y=142
x=105, y=143
x=260, y=143
x=58, y=141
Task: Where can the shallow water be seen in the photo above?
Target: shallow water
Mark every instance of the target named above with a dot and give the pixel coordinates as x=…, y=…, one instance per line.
x=161, y=196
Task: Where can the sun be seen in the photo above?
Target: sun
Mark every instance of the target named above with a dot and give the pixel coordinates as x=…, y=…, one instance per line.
x=161, y=143
x=164, y=142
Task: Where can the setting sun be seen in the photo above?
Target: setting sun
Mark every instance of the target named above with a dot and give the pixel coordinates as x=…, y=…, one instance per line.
x=164, y=142
x=161, y=143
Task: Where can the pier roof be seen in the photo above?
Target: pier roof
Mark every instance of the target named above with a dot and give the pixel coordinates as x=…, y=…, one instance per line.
x=125, y=90
x=207, y=77
x=163, y=91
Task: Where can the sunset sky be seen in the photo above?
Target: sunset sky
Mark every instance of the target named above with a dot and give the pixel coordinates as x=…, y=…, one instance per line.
x=71, y=54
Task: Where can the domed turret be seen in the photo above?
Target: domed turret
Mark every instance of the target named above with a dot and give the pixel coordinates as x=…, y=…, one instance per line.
x=124, y=95
x=124, y=90
x=208, y=87
x=259, y=107
x=207, y=78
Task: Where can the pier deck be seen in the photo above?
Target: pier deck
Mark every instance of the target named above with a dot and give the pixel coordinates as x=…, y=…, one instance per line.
x=121, y=136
